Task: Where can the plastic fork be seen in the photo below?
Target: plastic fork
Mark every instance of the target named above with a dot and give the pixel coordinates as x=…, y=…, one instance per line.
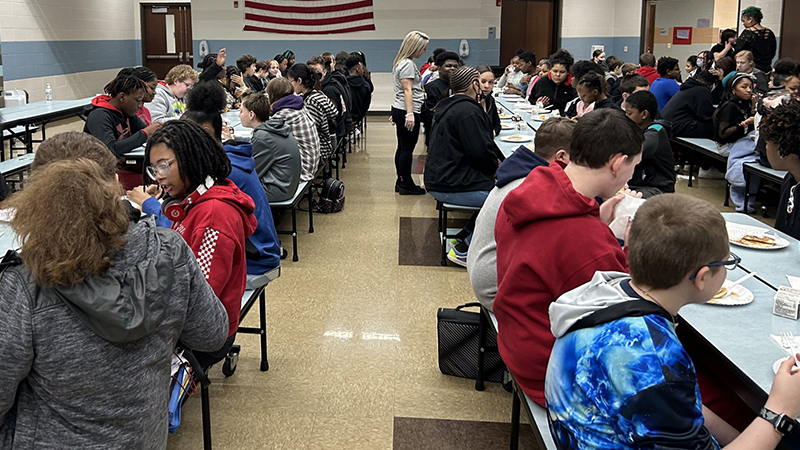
x=787, y=341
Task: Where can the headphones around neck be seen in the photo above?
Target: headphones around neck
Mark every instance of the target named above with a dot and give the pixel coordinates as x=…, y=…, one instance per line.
x=176, y=209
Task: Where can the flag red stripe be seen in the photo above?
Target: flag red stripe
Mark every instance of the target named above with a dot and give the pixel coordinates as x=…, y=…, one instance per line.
x=308, y=22
x=334, y=31
x=308, y=9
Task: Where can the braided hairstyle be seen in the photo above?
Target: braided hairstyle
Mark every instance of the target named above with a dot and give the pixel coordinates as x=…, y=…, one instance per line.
x=593, y=81
x=780, y=126
x=124, y=83
x=308, y=78
x=197, y=153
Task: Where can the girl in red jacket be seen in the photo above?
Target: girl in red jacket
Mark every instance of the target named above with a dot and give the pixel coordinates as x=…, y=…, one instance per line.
x=208, y=210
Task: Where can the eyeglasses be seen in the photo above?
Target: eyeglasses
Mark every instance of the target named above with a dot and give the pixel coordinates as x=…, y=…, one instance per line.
x=729, y=264
x=161, y=169
x=188, y=85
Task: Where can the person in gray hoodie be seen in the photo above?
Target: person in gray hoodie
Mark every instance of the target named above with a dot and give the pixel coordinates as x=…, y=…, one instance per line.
x=619, y=376
x=92, y=310
x=552, y=144
x=168, y=102
x=275, y=149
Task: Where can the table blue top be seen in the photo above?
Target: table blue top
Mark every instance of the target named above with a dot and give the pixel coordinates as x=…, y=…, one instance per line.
x=20, y=163
x=240, y=132
x=707, y=144
x=31, y=111
x=758, y=168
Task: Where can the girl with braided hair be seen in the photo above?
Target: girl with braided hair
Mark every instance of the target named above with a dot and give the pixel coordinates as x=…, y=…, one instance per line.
x=207, y=209
x=113, y=120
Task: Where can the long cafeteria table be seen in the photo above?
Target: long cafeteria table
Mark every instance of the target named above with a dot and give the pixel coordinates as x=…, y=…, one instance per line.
x=39, y=113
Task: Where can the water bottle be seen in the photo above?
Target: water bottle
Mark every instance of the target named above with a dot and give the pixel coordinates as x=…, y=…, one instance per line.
x=48, y=93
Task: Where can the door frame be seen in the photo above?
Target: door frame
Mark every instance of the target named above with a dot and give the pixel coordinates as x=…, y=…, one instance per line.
x=149, y=4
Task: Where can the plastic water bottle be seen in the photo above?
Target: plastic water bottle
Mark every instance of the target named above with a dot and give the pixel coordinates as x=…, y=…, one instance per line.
x=48, y=93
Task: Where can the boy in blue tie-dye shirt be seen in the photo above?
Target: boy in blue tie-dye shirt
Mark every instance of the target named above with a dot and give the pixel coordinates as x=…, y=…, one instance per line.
x=618, y=377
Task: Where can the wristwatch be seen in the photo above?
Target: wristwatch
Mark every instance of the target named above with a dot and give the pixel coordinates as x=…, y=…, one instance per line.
x=782, y=423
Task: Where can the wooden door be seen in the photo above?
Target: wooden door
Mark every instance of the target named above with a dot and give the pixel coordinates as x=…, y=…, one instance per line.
x=530, y=25
x=790, y=32
x=166, y=36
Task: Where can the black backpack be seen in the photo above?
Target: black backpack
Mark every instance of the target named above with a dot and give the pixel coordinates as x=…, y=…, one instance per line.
x=331, y=196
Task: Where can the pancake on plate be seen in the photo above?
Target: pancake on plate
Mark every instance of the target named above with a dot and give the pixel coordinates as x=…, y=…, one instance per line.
x=758, y=241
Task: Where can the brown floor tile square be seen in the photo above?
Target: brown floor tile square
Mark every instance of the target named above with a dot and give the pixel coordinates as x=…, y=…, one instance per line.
x=417, y=434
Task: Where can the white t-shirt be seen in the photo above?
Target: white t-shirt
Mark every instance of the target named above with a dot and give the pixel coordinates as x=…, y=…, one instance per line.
x=406, y=69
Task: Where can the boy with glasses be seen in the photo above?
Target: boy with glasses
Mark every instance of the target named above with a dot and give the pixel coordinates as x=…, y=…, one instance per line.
x=168, y=103
x=618, y=376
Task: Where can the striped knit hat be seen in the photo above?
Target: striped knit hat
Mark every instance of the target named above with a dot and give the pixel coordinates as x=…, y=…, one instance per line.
x=461, y=79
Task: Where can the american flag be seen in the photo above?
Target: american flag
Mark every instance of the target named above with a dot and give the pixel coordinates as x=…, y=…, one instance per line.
x=308, y=16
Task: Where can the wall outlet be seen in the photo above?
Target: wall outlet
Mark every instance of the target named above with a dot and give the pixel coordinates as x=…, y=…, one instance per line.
x=625, y=49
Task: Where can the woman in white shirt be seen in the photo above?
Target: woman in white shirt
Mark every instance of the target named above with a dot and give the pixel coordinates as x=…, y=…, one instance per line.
x=408, y=100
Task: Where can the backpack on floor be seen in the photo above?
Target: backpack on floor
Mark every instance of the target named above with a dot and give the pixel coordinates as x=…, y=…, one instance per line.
x=460, y=344
x=331, y=196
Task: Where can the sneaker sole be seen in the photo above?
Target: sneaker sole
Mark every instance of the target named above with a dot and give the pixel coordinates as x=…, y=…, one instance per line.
x=455, y=260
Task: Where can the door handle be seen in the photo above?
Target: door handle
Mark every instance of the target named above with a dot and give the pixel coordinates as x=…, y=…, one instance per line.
x=180, y=56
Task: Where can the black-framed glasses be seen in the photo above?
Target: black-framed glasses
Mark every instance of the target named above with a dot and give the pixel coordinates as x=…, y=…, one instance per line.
x=729, y=264
x=161, y=168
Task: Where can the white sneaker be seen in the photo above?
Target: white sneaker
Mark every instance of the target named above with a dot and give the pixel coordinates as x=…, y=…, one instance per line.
x=711, y=174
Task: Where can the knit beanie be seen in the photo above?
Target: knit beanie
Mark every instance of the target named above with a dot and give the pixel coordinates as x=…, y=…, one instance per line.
x=462, y=78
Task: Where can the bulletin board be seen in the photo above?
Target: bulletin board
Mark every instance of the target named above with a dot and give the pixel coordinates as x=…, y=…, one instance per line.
x=682, y=36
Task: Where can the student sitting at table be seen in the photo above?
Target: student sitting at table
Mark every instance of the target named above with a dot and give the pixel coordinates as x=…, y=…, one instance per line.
x=463, y=157
x=691, y=66
x=780, y=130
x=666, y=85
x=630, y=83
x=577, y=71
x=745, y=64
x=437, y=90
x=247, y=66
x=360, y=88
x=690, y=110
x=113, y=120
x=283, y=64
x=486, y=80
x=262, y=73
x=592, y=89
x=234, y=86
x=733, y=119
x=262, y=248
x=150, y=80
x=120, y=293
x=208, y=210
x=275, y=150
x=168, y=102
x=289, y=107
x=528, y=68
x=333, y=84
x=647, y=67
x=656, y=173
x=619, y=376
x=274, y=71
x=721, y=69
x=319, y=106
x=551, y=143
x=552, y=236
x=556, y=88
x=213, y=66
x=542, y=69
x=511, y=73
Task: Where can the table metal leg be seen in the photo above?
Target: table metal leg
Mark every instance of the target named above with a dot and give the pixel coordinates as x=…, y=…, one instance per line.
x=515, y=407
x=746, y=190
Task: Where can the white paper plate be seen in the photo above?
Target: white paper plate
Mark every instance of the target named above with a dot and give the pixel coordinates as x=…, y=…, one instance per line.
x=737, y=231
x=505, y=126
x=505, y=116
x=517, y=138
x=777, y=364
x=540, y=117
x=740, y=296
x=510, y=96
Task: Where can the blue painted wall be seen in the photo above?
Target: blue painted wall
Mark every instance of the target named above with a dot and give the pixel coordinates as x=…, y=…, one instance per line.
x=581, y=48
x=32, y=59
x=380, y=53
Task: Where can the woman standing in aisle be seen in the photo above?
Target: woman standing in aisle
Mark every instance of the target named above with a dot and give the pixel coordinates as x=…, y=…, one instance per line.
x=408, y=99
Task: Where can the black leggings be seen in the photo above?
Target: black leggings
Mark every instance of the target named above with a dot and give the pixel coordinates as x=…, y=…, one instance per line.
x=406, y=142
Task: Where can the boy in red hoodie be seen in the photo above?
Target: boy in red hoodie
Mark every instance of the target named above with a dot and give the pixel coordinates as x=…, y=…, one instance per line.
x=552, y=236
x=113, y=120
x=647, y=67
x=208, y=210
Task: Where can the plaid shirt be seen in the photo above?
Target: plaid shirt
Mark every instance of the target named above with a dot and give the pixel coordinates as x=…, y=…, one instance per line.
x=305, y=132
x=324, y=113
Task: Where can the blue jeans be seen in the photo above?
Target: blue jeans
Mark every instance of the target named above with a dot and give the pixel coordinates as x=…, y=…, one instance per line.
x=470, y=198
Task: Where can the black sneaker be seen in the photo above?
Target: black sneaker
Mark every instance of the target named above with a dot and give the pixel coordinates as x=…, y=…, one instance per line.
x=409, y=190
x=284, y=253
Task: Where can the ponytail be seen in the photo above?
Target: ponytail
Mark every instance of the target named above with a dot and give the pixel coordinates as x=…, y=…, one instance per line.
x=308, y=78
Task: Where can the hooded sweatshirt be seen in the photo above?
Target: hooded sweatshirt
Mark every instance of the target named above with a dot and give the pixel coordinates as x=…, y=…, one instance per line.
x=165, y=105
x=549, y=240
x=618, y=376
x=120, y=133
x=462, y=156
x=216, y=226
x=334, y=85
x=482, y=256
x=559, y=94
x=657, y=168
x=648, y=72
x=361, y=92
x=292, y=111
x=690, y=111
x=277, y=159
x=262, y=248
x=88, y=365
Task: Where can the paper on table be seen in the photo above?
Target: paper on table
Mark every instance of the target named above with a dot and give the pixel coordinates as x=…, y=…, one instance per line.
x=624, y=210
x=794, y=281
x=7, y=215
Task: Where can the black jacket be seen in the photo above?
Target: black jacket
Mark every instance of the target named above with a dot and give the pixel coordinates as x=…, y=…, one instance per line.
x=727, y=120
x=690, y=111
x=657, y=169
x=494, y=114
x=559, y=94
x=434, y=91
x=334, y=85
x=785, y=221
x=254, y=83
x=361, y=92
x=462, y=156
x=120, y=134
x=210, y=73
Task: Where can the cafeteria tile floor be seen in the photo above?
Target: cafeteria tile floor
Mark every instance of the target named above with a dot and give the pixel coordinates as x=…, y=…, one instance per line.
x=352, y=333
